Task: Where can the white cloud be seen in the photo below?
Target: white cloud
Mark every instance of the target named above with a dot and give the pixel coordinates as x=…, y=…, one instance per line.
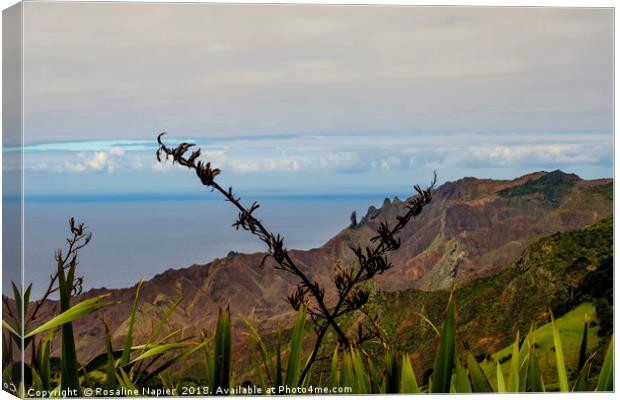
x=249, y=166
x=71, y=167
x=534, y=155
x=264, y=159
x=386, y=163
x=343, y=153
x=117, y=151
x=97, y=161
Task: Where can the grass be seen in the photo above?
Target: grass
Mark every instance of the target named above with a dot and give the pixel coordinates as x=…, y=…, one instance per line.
x=570, y=327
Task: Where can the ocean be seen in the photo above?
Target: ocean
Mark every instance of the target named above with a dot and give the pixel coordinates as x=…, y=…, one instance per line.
x=143, y=236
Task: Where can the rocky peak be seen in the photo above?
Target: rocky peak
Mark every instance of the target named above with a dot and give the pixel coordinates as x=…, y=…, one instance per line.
x=353, y=220
x=371, y=214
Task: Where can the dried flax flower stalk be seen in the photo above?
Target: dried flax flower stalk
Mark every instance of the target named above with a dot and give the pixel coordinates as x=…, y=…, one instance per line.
x=371, y=260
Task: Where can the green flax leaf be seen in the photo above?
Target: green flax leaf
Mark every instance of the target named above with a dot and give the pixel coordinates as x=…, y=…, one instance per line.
x=334, y=372
x=501, y=384
x=606, y=377
x=559, y=357
x=513, y=376
x=534, y=378
x=408, y=383
x=444, y=359
x=222, y=355
x=581, y=383
x=132, y=321
x=77, y=311
x=461, y=380
x=479, y=381
x=293, y=366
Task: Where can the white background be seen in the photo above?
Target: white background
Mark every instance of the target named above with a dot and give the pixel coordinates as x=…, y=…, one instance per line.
x=592, y=3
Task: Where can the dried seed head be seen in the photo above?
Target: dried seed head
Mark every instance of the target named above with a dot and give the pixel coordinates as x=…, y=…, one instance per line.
x=297, y=298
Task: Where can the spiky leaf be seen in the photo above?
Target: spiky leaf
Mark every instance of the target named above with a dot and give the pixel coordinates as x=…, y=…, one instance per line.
x=408, y=383
x=132, y=321
x=559, y=357
x=444, y=358
x=222, y=355
x=293, y=365
x=479, y=381
x=501, y=384
x=534, y=378
x=461, y=380
x=606, y=377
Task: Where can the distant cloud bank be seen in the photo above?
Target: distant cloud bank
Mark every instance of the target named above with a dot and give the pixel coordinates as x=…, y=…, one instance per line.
x=338, y=153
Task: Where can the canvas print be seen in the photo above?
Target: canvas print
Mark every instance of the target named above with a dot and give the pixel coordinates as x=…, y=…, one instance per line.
x=261, y=199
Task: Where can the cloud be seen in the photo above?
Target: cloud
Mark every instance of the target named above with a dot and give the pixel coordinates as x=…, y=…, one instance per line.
x=525, y=155
x=386, y=163
x=98, y=161
x=242, y=162
x=339, y=153
x=117, y=151
x=260, y=69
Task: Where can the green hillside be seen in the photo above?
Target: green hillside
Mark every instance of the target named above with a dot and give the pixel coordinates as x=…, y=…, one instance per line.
x=568, y=272
x=552, y=186
x=570, y=326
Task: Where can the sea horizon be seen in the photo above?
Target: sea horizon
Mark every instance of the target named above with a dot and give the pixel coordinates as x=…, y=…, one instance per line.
x=167, y=232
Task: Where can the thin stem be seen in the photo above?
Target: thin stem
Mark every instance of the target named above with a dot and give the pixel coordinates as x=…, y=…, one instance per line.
x=317, y=345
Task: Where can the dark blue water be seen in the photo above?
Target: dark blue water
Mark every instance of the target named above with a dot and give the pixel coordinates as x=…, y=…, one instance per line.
x=134, y=238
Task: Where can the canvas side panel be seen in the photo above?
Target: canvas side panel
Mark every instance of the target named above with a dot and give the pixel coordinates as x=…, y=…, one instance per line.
x=12, y=201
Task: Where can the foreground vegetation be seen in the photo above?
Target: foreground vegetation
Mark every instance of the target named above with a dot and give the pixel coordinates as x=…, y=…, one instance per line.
x=140, y=369
x=456, y=369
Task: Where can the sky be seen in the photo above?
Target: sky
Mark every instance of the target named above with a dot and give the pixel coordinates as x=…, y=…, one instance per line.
x=312, y=99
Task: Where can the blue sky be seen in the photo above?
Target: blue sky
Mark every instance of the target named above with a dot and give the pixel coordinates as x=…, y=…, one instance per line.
x=308, y=99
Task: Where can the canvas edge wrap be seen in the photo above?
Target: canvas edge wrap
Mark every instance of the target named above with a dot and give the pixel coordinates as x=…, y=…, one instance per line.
x=12, y=179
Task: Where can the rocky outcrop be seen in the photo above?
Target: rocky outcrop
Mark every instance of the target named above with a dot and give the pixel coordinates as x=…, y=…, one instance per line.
x=353, y=224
